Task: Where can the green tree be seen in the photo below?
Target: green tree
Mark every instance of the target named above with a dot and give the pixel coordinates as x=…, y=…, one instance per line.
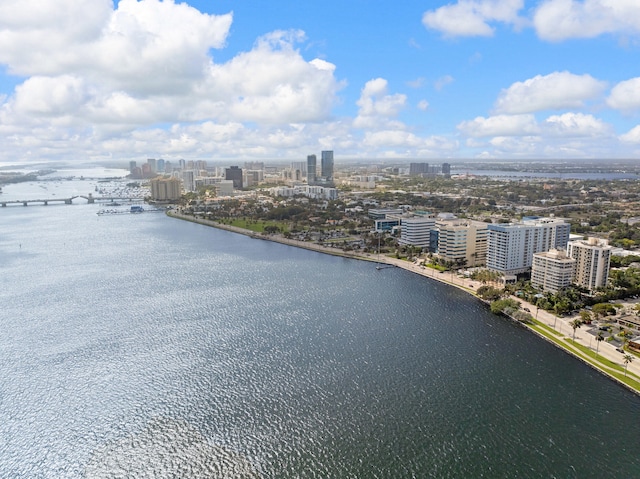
x=627, y=358
x=599, y=337
x=575, y=324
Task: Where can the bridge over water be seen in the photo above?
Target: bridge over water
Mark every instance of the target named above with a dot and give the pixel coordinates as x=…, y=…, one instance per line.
x=68, y=201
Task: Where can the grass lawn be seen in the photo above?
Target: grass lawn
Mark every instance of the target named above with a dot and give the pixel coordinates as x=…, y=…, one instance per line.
x=612, y=368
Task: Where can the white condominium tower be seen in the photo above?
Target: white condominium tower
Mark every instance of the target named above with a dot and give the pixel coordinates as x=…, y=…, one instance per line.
x=592, y=262
x=511, y=246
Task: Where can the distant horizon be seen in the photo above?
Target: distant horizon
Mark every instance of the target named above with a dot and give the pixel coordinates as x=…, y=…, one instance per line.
x=124, y=164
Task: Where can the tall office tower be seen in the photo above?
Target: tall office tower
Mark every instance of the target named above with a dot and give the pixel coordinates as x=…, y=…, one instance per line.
x=168, y=167
x=234, y=174
x=160, y=165
x=592, y=262
x=299, y=165
x=446, y=169
x=327, y=166
x=182, y=164
x=200, y=165
x=418, y=168
x=311, y=169
x=552, y=270
x=132, y=167
x=152, y=165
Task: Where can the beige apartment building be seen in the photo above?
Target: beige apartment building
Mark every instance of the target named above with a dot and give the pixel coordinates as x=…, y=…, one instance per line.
x=463, y=240
x=552, y=270
x=592, y=262
x=166, y=189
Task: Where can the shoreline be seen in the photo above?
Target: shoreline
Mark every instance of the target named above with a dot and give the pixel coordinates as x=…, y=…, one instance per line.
x=467, y=285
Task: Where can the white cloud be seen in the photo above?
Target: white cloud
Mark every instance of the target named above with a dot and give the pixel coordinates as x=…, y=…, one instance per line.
x=575, y=125
x=441, y=82
x=423, y=105
x=473, y=17
x=625, y=95
x=632, y=136
x=417, y=83
x=555, y=91
x=377, y=108
x=557, y=20
x=500, y=125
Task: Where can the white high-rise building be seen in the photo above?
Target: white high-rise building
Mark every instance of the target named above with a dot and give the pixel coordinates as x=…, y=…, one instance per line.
x=511, y=246
x=416, y=230
x=552, y=270
x=592, y=258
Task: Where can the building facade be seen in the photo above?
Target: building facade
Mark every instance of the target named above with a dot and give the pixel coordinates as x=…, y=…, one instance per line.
x=463, y=241
x=511, y=246
x=326, y=170
x=592, y=258
x=312, y=169
x=416, y=230
x=234, y=173
x=166, y=189
x=552, y=270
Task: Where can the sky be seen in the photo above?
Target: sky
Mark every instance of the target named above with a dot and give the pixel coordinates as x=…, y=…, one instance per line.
x=103, y=80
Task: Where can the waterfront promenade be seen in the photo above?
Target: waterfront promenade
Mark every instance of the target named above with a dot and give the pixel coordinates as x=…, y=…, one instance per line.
x=564, y=333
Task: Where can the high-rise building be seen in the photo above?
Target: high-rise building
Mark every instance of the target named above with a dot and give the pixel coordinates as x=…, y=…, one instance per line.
x=416, y=230
x=152, y=165
x=160, y=165
x=416, y=169
x=327, y=166
x=300, y=166
x=311, y=170
x=234, y=174
x=463, y=241
x=511, y=246
x=166, y=189
x=189, y=180
x=592, y=258
x=446, y=169
x=132, y=167
x=552, y=270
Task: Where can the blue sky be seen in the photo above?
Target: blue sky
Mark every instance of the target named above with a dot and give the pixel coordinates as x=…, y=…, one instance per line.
x=465, y=79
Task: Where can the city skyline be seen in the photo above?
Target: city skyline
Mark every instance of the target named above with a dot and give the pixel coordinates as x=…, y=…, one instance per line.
x=447, y=80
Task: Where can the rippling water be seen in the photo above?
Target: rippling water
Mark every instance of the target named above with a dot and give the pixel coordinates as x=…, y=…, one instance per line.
x=143, y=346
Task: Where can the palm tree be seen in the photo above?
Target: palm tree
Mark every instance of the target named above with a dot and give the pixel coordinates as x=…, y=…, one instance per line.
x=599, y=338
x=627, y=359
x=575, y=324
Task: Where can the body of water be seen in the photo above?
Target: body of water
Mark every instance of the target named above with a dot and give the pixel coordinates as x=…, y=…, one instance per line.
x=524, y=175
x=144, y=346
